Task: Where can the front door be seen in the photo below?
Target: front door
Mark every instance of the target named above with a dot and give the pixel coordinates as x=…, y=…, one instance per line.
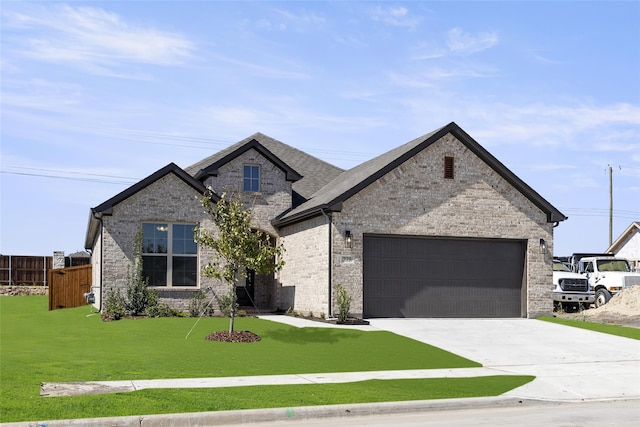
x=245, y=293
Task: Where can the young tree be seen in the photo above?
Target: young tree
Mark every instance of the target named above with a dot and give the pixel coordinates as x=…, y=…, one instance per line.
x=238, y=246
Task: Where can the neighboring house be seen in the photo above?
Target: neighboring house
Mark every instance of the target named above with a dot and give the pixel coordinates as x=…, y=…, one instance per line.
x=628, y=245
x=434, y=228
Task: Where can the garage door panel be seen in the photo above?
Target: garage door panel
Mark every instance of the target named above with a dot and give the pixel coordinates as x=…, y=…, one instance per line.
x=420, y=277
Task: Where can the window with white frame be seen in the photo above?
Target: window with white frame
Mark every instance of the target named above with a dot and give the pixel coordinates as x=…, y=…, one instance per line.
x=169, y=255
x=251, y=179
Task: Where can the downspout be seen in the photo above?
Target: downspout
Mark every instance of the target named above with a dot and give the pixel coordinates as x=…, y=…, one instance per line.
x=98, y=216
x=330, y=222
x=101, y=262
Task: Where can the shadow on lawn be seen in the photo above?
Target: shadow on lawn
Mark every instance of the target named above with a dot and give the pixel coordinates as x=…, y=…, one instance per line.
x=310, y=335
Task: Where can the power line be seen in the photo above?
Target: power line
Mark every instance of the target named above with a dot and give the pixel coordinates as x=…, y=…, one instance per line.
x=218, y=143
x=69, y=178
x=72, y=172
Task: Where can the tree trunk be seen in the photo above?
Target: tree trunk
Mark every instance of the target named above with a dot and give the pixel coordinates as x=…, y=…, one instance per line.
x=232, y=316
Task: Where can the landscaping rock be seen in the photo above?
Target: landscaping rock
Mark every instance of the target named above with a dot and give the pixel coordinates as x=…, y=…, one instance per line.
x=21, y=290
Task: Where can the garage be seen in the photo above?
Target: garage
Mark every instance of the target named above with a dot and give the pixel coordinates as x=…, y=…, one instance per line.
x=442, y=277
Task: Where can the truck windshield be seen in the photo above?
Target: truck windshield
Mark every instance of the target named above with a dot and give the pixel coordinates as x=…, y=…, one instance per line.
x=613, y=265
x=558, y=266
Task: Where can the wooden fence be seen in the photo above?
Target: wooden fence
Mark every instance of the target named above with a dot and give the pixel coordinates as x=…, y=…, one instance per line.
x=67, y=286
x=24, y=270
x=31, y=270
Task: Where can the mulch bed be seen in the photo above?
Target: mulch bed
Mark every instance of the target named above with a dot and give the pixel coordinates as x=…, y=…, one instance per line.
x=235, y=336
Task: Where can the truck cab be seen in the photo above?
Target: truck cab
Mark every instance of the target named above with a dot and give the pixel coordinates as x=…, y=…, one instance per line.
x=571, y=291
x=607, y=276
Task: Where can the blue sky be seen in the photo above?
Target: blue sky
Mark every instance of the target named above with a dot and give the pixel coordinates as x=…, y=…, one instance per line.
x=98, y=95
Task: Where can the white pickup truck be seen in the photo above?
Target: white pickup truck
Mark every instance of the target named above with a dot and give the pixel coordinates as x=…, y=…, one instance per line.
x=571, y=291
x=607, y=276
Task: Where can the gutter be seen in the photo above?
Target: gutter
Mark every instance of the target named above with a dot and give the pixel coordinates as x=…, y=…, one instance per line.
x=308, y=213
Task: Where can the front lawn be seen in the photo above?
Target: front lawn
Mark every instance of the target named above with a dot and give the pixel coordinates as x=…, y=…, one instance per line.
x=37, y=345
x=621, y=331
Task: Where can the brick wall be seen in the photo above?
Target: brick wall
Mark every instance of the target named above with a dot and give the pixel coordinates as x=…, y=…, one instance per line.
x=415, y=199
x=273, y=198
x=167, y=200
x=304, y=280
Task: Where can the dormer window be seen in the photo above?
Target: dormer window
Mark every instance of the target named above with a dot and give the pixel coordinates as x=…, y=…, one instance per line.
x=251, y=179
x=448, y=167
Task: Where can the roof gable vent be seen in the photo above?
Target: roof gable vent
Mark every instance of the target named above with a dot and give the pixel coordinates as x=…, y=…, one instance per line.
x=448, y=167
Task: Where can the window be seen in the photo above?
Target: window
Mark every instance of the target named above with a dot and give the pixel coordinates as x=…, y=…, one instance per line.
x=169, y=255
x=589, y=267
x=251, y=180
x=448, y=167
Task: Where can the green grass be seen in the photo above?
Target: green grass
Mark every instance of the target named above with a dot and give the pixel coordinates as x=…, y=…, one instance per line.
x=621, y=331
x=37, y=345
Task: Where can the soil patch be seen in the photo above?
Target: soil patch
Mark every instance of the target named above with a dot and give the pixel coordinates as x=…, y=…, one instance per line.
x=622, y=309
x=235, y=336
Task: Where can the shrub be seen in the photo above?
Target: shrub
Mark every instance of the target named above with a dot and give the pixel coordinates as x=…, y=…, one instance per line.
x=139, y=296
x=114, y=305
x=344, y=303
x=160, y=310
x=199, y=305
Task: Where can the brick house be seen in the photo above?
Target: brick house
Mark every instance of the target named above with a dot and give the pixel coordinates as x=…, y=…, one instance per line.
x=436, y=227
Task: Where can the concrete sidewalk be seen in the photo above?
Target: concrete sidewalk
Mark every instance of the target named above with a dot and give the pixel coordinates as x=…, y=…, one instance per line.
x=101, y=387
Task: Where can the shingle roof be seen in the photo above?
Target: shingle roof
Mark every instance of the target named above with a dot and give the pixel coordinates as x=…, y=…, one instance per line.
x=353, y=180
x=315, y=173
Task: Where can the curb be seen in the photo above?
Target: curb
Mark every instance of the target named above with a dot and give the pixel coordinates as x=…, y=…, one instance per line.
x=239, y=417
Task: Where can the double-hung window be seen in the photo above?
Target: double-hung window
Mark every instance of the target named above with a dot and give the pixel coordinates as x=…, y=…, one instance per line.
x=251, y=179
x=169, y=255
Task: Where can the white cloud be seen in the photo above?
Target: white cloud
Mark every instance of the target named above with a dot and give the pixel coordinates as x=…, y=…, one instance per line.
x=94, y=39
x=395, y=16
x=463, y=43
x=431, y=76
x=267, y=25
x=285, y=70
x=302, y=19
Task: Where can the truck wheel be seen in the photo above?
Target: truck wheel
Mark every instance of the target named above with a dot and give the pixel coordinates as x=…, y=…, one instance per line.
x=602, y=297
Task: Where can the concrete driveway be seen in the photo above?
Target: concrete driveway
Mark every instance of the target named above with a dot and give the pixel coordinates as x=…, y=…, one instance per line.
x=570, y=364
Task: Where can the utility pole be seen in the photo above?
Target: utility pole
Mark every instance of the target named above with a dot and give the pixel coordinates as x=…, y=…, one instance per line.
x=611, y=204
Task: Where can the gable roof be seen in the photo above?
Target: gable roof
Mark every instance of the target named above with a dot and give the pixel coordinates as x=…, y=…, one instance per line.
x=308, y=173
x=212, y=169
x=626, y=234
x=106, y=208
x=331, y=197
